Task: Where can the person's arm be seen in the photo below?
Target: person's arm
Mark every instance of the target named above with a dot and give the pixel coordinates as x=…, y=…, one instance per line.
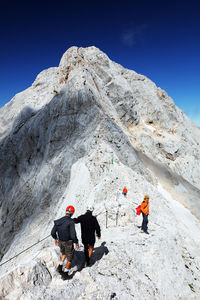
x=73, y=234
x=142, y=206
x=54, y=234
x=97, y=228
x=77, y=220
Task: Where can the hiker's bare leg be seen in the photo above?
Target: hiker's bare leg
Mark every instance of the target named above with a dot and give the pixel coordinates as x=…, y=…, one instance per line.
x=68, y=264
x=90, y=250
x=63, y=257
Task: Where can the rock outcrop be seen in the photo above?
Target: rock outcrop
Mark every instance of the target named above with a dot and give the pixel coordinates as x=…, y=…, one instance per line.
x=57, y=139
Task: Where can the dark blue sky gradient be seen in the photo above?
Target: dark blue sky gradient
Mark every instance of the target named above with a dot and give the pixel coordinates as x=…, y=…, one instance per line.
x=160, y=39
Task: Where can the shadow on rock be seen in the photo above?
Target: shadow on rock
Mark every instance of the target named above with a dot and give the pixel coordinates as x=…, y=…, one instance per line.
x=77, y=265
x=78, y=262
x=98, y=253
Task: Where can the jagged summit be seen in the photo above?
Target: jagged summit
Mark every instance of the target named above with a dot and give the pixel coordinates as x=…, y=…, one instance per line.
x=129, y=99
x=57, y=139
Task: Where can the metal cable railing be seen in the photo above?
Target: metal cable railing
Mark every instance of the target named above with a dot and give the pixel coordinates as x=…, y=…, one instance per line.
x=101, y=213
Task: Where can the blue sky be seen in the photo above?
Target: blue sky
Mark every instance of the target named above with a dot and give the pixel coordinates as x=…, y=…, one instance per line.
x=160, y=39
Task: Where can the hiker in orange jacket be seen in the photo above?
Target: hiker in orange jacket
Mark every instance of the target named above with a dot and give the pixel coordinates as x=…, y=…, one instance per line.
x=125, y=191
x=145, y=213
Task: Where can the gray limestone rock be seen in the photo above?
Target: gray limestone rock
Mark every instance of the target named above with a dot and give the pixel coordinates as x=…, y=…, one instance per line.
x=78, y=135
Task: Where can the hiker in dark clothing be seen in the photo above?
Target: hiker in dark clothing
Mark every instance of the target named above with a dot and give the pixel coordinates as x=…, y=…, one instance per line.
x=64, y=234
x=89, y=225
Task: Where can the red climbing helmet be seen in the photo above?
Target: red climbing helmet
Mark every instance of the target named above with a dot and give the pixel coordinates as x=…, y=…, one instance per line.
x=70, y=210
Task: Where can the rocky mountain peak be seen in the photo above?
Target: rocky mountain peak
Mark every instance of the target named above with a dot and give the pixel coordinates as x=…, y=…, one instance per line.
x=77, y=136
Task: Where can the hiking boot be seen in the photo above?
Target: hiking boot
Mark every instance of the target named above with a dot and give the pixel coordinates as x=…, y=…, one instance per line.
x=141, y=231
x=65, y=275
x=146, y=232
x=59, y=269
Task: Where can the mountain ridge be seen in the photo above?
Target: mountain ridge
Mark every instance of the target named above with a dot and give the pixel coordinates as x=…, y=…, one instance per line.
x=56, y=149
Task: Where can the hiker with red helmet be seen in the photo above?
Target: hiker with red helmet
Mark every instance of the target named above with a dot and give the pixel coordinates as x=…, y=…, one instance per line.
x=64, y=234
x=145, y=213
x=125, y=191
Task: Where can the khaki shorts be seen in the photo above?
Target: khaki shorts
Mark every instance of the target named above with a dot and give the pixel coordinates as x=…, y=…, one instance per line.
x=67, y=248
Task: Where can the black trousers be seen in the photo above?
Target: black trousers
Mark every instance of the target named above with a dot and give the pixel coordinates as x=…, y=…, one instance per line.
x=144, y=222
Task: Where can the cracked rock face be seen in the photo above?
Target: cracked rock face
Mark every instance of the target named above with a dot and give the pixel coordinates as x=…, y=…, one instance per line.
x=78, y=135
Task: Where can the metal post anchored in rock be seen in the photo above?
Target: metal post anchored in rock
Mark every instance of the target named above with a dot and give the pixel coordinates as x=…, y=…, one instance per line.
x=117, y=214
x=106, y=219
x=117, y=217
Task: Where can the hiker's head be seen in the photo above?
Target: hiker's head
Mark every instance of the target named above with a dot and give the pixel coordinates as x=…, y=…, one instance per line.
x=146, y=197
x=90, y=208
x=70, y=210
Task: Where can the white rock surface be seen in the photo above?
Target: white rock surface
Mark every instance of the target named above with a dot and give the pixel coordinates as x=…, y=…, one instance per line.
x=57, y=141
